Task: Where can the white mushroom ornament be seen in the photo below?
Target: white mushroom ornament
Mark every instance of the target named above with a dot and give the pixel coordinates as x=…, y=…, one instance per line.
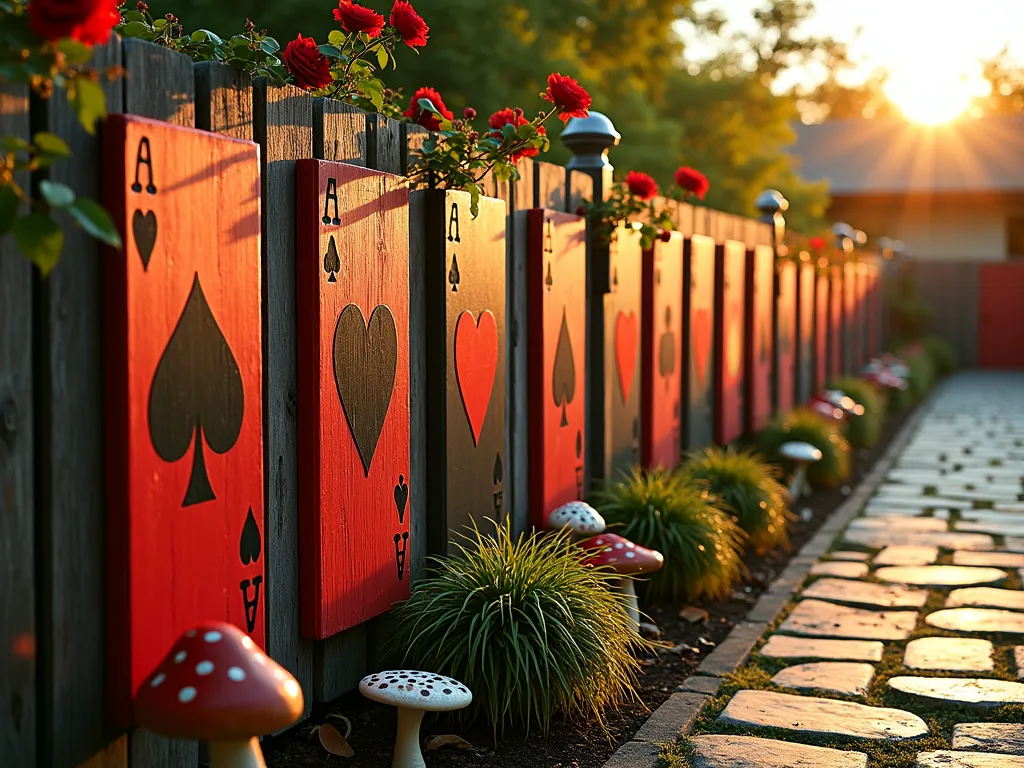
x=622, y=556
x=414, y=693
x=579, y=517
x=801, y=454
x=216, y=685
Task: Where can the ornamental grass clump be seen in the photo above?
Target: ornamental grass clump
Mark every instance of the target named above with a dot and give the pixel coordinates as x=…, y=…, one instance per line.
x=863, y=431
x=529, y=629
x=750, y=488
x=668, y=512
x=806, y=426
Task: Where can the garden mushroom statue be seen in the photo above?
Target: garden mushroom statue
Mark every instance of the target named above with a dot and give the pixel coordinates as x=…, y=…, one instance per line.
x=216, y=685
x=412, y=694
x=622, y=556
x=579, y=517
x=825, y=409
x=840, y=399
x=801, y=454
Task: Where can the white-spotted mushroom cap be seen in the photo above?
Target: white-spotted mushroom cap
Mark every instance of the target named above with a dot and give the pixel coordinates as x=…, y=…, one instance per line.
x=408, y=689
x=577, y=516
x=798, y=451
x=216, y=684
x=611, y=551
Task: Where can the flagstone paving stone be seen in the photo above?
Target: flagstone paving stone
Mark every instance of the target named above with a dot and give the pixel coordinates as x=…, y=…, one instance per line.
x=713, y=751
x=1004, y=738
x=946, y=759
x=989, y=526
x=809, y=715
x=965, y=691
x=986, y=597
x=1018, y=661
x=1013, y=544
x=990, y=559
x=942, y=539
x=900, y=524
x=940, y=575
x=977, y=620
x=901, y=555
x=839, y=569
x=861, y=557
x=952, y=654
x=817, y=618
x=1010, y=507
x=789, y=647
x=849, y=678
x=866, y=593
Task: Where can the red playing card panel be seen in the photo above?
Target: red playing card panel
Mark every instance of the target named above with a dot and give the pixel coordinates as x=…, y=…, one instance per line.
x=352, y=280
x=760, y=291
x=835, y=326
x=730, y=264
x=700, y=336
x=785, y=333
x=622, y=354
x=556, y=276
x=183, y=356
x=661, y=340
x=806, y=330
x=821, y=330
x=873, y=308
x=851, y=325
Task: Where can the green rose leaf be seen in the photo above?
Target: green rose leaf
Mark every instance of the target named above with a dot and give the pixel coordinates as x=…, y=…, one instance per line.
x=91, y=217
x=382, y=57
x=428, y=106
x=509, y=132
x=14, y=144
x=474, y=198
x=89, y=102
x=56, y=194
x=270, y=45
x=74, y=51
x=134, y=29
x=51, y=145
x=40, y=238
x=9, y=204
x=527, y=131
x=133, y=16
x=330, y=51
x=336, y=37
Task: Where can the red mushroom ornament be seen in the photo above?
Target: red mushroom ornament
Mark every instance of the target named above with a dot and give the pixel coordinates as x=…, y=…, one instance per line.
x=216, y=685
x=622, y=556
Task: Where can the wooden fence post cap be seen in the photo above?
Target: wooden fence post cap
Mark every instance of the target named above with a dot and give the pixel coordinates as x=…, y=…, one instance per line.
x=589, y=139
x=770, y=202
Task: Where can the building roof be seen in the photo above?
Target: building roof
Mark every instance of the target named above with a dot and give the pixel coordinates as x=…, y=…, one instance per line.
x=890, y=156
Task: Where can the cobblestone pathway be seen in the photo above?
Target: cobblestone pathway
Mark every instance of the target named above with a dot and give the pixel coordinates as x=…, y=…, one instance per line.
x=912, y=661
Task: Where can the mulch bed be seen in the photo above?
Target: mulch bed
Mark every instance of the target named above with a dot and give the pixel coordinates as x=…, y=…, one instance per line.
x=570, y=745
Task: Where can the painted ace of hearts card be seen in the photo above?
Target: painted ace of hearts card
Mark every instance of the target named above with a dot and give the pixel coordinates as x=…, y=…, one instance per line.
x=183, y=387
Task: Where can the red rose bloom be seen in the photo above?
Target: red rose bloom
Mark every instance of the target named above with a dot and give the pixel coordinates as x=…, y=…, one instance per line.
x=410, y=25
x=641, y=185
x=97, y=28
x=503, y=117
x=426, y=119
x=469, y=113
x=356, y=18
x=692, y=181
x=817, y=243
x=570, y=97
x=666, y=236
x=302, y=57
x=54, y=19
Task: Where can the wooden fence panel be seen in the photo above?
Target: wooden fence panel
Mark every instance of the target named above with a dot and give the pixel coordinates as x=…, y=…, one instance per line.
x=851, y=319
x=835, y=323
x=698, y=340
x=730, y=262
x=758, y=352
x=18, y=622
x=821, y=331
x=785, y=339
x=581, y=187
x=549, y=187
x=223, y=100
x=952, y=292
x=805, y=306
x=283, y=127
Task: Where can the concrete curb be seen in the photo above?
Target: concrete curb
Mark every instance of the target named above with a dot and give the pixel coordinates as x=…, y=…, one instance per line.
x=676, y=716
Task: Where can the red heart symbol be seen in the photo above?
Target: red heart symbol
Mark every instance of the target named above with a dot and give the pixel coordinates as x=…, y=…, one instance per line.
x=700, y=338
x=476, y=360
x=626, y=339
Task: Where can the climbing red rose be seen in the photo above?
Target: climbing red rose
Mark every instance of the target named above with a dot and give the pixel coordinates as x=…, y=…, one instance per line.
x=503, y=117
x=816, y=243
x=641, y=185
x=410, y=25
x=428, y=120
x=88, y=21
x=570, y=97
x=692, y=181
x=356, y=18
x=302, y=57
x=666, y=236
x=469, y=113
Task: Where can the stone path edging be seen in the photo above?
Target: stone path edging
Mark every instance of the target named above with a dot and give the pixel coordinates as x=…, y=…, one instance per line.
x=676, y=716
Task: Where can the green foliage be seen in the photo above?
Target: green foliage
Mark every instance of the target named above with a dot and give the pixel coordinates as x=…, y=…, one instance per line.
x=942, y=354
x=922, y=375
x=804, y=425
x=750, y=488
x=863, y=431
x=667, y=512
x=527, y=627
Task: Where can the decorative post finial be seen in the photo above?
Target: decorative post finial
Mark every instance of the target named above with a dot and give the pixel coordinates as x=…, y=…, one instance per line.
x=845, y=236
x=589, y=139
x=771, y=204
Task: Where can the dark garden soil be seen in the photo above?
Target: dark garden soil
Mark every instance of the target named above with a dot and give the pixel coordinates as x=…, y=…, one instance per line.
x=570, y=745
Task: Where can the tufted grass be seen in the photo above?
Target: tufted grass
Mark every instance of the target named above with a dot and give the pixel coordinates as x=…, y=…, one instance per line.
x=804, y=425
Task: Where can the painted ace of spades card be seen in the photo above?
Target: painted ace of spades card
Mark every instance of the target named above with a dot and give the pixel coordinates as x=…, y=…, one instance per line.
x=183, y=350
x=556, y=343
x=354, y=485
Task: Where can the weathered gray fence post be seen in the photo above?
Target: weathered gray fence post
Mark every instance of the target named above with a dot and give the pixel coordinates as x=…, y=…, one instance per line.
x=589, y=139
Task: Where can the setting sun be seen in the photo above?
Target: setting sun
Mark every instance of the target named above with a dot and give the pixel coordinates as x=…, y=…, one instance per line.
x=932, y=96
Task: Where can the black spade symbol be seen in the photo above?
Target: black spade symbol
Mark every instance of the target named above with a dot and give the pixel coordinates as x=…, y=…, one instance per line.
x=499, y=470
x=579, y=444
x=249, y=545
x=365, y=359
x=453, y=275
x=549, y=281
x=401, y=497
x=196, y=392
x=332, y=264
x=563, y=374
x=667, y=348
x=144, y=229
